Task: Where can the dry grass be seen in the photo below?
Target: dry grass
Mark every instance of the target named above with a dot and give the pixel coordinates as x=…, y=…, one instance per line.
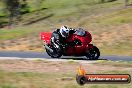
x=46, y=74
x=116, y=64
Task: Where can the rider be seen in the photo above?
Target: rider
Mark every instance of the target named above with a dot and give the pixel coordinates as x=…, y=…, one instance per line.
x=59, y=35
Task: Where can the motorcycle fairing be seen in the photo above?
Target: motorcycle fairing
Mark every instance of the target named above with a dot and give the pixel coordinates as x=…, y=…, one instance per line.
x=46, y=36
x=78, y=49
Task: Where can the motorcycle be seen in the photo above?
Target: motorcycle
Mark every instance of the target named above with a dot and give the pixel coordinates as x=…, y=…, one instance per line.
x=77, y=44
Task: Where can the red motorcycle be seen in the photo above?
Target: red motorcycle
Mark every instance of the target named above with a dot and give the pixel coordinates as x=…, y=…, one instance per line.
x=77, y=44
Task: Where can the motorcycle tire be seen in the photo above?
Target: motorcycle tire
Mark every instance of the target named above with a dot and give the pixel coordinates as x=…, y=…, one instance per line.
x=53, y=54
x=93, y=53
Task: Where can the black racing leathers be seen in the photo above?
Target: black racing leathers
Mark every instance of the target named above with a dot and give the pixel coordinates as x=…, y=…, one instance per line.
x=57, y=40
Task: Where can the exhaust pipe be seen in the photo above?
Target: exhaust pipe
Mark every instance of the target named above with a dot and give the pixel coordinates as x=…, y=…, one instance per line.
x=48, y=48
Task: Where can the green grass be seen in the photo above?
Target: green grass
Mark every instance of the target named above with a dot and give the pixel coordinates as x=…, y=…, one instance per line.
x=31, y=79
x=49, y=80
x=116, y=64
x=16, y=33
x=117, y=18
x=112, y=19
x=1, y=9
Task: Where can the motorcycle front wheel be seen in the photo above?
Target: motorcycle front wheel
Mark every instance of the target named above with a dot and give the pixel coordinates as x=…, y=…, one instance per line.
x=93, y=53
x=53, y=54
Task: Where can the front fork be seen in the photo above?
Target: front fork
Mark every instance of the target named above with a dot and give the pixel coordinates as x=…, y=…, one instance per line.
x=48, y=48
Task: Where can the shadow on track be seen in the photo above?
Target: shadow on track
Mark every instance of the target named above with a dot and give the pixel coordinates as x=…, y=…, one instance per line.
x=74, y=58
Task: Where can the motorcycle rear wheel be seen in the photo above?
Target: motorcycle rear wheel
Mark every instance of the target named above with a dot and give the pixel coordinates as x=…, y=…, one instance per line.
x=53, y=54
x=93, y=53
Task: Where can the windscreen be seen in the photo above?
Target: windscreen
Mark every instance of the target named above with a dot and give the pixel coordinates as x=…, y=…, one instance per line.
x=80, y=32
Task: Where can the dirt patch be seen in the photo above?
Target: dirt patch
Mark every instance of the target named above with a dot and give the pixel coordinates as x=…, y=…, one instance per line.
x=114, y=36
x=53, y=66
x=22, y=44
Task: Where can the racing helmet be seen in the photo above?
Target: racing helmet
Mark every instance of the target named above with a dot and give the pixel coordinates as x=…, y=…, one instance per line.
x=64, y=31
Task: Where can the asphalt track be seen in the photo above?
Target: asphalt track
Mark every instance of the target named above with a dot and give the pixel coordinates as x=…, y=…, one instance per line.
x=43, y=55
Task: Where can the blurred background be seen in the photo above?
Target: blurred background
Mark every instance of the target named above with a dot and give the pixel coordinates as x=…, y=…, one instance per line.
x=21, y=21
x=109, y=21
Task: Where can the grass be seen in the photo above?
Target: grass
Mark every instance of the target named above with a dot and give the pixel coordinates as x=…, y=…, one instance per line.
x=21, y=31
x=50, y=80
x=2, y=12
x=117, y=18
x=30, y=80
x=112, y=19
x=116, y=64
x=37, y=79
x=16, y=33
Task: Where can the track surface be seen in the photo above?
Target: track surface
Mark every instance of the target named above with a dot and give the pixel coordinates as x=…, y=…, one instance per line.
x=27, y=55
